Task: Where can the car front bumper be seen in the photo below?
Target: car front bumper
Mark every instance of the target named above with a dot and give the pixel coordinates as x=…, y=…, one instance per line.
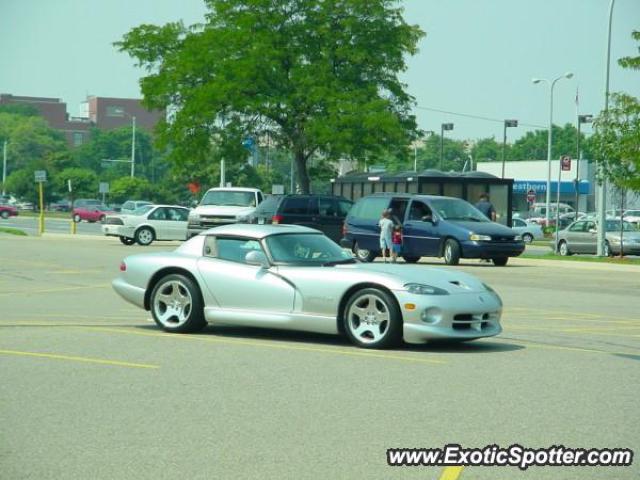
x=472, y=249
x=459, y=316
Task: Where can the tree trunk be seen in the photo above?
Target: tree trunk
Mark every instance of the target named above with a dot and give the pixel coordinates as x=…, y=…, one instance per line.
x=301, y=171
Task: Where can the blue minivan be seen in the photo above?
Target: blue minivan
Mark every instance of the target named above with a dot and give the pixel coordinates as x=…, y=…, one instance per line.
x=432, y=226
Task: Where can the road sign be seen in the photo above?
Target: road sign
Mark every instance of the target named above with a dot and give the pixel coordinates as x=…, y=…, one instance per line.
x=277, y=189
x=104, y=187
x=531, y=196
x=40, y=175
x=565, y=163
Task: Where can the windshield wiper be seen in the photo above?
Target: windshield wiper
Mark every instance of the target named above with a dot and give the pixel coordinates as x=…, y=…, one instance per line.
x=339, y=262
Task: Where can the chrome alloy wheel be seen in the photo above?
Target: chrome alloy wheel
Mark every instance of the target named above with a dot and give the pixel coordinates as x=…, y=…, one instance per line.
x=362, y=254
x=172, y=304
x=145, y=236
x=368, y=318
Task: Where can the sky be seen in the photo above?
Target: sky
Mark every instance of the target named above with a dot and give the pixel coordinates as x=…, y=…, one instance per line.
x=477, y=59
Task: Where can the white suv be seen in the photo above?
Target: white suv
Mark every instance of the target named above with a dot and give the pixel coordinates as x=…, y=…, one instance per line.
x=222, y=206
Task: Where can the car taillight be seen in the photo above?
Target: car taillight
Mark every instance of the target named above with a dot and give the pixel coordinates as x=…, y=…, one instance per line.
x=345, y=229
x=276, y=219
x=123, y=267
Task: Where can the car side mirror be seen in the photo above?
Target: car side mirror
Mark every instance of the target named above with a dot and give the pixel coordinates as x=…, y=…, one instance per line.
x=256, y=258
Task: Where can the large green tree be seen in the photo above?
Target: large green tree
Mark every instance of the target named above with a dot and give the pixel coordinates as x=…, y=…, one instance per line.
x=320, y=77
x=632, y=62
x=533, y=145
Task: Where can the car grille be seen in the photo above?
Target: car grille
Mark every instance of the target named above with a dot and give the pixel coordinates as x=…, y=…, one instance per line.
x=473, y=321
x=113, y=221
x=215, y=221
x=502, y=238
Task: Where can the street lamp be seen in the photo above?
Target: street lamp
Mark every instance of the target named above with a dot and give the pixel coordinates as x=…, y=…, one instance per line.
x=443, y=127
x=552, y=84
x=4, y=166
x=581, y=119
x=507, y=124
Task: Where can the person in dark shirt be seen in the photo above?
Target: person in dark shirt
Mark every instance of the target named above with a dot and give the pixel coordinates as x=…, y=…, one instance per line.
x=486, y=207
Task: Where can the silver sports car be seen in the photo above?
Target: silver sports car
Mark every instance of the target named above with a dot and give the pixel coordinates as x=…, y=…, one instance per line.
x=293, y=277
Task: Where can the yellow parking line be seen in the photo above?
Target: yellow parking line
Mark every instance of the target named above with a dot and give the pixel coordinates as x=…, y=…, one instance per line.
x=54, y=290
x=354, y=353
x=451, y=473
x=543, y=346
x=77, y=359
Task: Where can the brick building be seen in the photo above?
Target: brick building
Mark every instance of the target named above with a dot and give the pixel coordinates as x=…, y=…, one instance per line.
x=99, y=112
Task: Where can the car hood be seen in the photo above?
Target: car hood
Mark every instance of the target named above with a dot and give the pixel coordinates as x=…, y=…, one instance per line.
x=483, y=228
x=392, y=276
x=223, y=210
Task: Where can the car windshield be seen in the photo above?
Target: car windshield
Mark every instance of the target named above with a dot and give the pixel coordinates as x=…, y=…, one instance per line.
x=142, y=210
x=614, y=226
x=229, y=198
x=454, y=209
x=306, y=249
x=102, y=208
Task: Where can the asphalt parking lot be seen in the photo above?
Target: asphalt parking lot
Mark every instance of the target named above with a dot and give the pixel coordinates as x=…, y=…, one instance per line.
x=90, y=388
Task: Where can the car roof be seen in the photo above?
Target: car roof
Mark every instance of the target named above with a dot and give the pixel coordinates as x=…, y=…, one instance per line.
x=411, y=195
x=258, y=231
x=233, y=189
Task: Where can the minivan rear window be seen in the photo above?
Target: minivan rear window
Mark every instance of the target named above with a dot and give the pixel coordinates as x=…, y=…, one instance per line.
x=268, y=205
x=296, y=205
x=370, y=208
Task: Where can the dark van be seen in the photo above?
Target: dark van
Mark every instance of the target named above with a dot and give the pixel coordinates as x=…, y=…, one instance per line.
x=322, y=212
x=433, y=226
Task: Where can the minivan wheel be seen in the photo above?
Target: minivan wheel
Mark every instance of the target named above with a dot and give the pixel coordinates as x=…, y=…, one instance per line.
x=364, y=255
x=500, y=261
x=410, y=259
x=451, y=252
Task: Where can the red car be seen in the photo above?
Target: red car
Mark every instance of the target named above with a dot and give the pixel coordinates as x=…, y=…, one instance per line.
x=91, y=213
x=7, y=211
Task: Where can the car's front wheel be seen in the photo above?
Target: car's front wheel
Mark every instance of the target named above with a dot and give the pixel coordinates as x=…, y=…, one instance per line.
x=372, y=319
x=76, y=218
x=500, y=261
x=410, y=259
x=451, y=252
x=176, y=305
x=563, y=248
x=127, y=240
x=364, y=255
x=144, y=236
x=4, y=214
x=527, y=238
x=607, y=249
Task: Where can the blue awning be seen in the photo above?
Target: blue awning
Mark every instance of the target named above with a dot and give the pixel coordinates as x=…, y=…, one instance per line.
x=540, y=186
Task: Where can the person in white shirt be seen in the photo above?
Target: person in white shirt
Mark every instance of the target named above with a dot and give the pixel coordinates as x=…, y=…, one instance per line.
x=386, y=230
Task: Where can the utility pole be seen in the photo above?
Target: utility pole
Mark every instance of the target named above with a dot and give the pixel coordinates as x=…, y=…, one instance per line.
x=4, y=167
x=507, y=123
x=133, y=146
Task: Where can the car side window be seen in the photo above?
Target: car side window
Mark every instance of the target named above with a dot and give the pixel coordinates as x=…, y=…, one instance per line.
x=296, y=206
x=127, y=205
x=231, y=249
x=326, y=207
x=158, y=214
x=418, y=210
x=518, y=223
x=176, y=214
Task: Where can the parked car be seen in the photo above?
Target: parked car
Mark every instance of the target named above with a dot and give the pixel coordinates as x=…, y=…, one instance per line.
x=294, y=278
x=322, y=212
x=148, y=223
x=538, y=211
x=433, y=226
x=527, y=231
x=86, y=202
x=131, y=206
x=60, y=206
x=223, y=206
x=7, y=211
x=91, y=213
x=632, y=216
x=582, y=237
x=24, y=205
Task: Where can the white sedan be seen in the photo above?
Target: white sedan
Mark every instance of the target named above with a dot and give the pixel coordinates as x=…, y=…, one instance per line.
x=149, y=223
x=528, y=231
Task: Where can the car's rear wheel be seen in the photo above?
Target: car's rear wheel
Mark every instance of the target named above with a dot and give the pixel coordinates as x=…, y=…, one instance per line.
x=607, y=249
x=176, y=305
x=4, y=214
x=451, y=252
x=410, y=259
x=527, y=238
x=76, y=218
x=144, y=236
x=127, y=240
x=500, y=261
x=563, y=248
x=363, y=255
x=372, y=319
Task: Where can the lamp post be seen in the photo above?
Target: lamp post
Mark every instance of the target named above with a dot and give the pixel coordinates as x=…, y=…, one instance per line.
x=4, y=167
x=507, y=124
x=581, y=119
x=443, y=127
x=133, y=146
x=552, y=84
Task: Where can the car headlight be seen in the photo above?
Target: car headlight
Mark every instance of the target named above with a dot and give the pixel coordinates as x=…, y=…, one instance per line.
x=479, y=238
x=517, y=238
x=422, y=289
x=194, y=217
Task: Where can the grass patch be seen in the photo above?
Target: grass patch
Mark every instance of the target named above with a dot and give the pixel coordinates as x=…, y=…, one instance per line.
x=584, y=258
x=29, y=213
x=13, y=231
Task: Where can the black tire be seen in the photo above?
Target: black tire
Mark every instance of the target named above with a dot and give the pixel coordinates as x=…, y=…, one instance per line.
x=4, y=214
x=527, y=238
x=182, y=319
x=364, y=255
x=127, y=240
x=390, y=330
x=500, y=261
x=451, y=252
x=563, y=249
x=607, y=249
x=411, y=259
x=102, y=217
x=145, y=236
x=76, y=218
